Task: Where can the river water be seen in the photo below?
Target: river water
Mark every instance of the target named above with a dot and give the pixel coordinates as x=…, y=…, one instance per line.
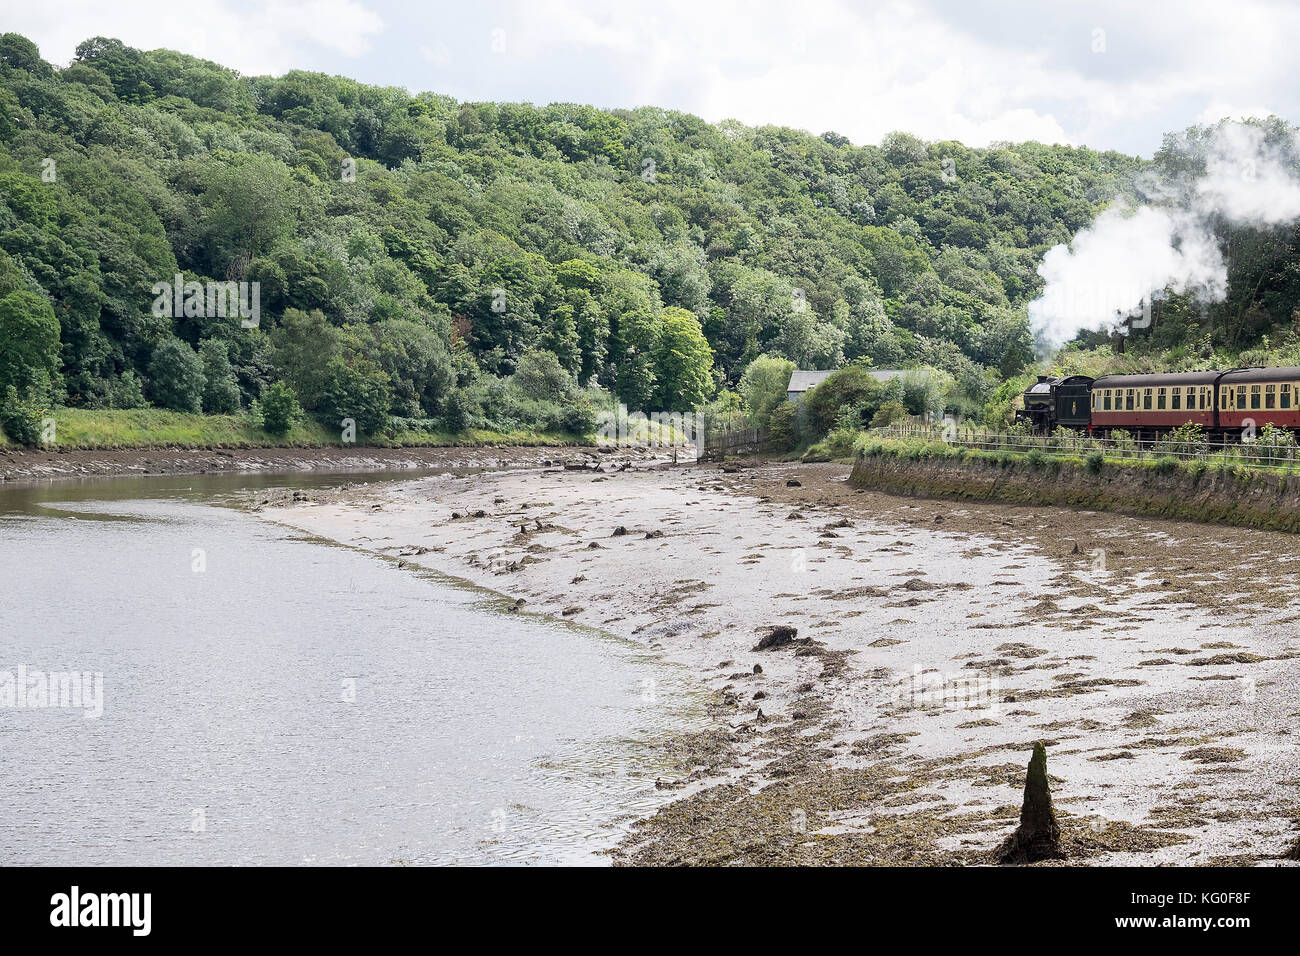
x=272, y=698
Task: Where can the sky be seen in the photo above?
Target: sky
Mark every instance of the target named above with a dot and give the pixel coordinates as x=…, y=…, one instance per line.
x=1109, y=75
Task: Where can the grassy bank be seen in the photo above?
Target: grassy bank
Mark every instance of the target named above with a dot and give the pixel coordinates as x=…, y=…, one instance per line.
x=850, y=445
x=78, y=428
x=1223, y=492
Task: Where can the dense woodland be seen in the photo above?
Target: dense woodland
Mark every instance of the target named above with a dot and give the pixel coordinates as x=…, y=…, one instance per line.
x=514, y=266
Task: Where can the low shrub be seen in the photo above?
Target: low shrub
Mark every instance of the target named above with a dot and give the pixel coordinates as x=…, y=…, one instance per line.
x=21, y=418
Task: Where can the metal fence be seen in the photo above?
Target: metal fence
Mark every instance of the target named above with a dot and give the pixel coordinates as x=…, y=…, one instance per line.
x=1276, y=457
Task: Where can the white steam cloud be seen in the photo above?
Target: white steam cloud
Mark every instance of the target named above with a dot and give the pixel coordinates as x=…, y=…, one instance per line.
x=1133, y=254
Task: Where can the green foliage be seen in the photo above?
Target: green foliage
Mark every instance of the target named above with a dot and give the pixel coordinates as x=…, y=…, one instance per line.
x=1165, y=465
x=1095, y=462
x=888, y=414
x=473, y=234
x=280, y=409
x=1272, y=442
x=1185, y=439
x=763, y=387
x=685, y=362
x=176, y=376
x=849, y=387
x=127, y=391
x=359, y=391
x=220, y=387
x=782, y=427
x=539, y=375
x=29, y=342
x=21, y=418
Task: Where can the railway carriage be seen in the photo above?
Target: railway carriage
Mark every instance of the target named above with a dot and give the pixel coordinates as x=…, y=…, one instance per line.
x=1149, y=404
x=1259, y=397
x=1224, y=404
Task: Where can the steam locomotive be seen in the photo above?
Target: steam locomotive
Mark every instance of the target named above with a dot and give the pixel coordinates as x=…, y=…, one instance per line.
x=1222, y=403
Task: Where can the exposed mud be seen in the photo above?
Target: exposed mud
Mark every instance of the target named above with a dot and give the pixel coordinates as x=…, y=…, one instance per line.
x=882, y=668
x=26, y=465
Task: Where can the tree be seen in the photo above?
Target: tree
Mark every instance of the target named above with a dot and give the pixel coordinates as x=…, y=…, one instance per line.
x=248, y=207
x=685, y=362
x=280, y=409
x=29, y=342
x=358, y=390
x=305, y=343
x=634, y=358
x=176, y=376
x=850, y=387
x=539, y=375
x=21, y=418
x=763, y=386
x=220, y=387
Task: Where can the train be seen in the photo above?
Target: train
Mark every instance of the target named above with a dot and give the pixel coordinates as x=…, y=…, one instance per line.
x=1224, y=404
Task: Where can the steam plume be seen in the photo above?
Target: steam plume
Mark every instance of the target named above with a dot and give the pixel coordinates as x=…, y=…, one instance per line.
x=1134, y=253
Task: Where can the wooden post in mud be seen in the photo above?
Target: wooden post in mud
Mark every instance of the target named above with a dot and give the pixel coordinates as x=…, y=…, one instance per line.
x=1038, y=837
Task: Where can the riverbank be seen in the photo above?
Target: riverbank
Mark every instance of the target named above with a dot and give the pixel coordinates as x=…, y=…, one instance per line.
x=1230, y=495
x=143, y=429
x=932, y=645
x=28, y=465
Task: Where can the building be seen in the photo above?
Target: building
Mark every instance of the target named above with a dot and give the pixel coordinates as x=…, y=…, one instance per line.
x=802, y=380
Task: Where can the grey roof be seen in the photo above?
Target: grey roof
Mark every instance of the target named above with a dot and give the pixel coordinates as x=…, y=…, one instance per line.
x=802, y=379
x=1282, y=374
x=1156, y=378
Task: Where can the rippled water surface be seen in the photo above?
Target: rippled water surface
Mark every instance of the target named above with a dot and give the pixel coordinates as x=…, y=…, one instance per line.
x=273, y=698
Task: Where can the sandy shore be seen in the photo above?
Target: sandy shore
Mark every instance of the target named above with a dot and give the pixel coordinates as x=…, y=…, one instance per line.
x=934, y=644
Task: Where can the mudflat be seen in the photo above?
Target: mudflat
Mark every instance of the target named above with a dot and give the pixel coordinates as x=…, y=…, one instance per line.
x=881, y=667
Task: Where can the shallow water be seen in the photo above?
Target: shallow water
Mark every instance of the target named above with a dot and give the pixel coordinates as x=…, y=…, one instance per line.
x=271, y=698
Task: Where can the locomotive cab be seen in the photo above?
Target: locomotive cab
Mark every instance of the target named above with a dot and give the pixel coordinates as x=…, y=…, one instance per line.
x=1063, y=402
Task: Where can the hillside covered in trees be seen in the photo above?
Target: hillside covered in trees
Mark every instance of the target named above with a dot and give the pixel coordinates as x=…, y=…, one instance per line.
x=491, y=263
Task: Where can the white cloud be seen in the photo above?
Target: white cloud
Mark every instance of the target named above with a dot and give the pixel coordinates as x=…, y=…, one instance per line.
x=281, y=35
x=973, y=70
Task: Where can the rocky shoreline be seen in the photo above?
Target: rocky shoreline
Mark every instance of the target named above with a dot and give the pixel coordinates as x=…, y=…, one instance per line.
x=881, y=668
x=35, y=465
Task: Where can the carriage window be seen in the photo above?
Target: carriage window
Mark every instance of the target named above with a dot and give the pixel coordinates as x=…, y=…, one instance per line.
x=1128, y=399
x=1160, y=398
x=1176, y=400
x=1241, y=397
x=1095, y=400
x=1146, y=398
x=1105, y=399
x=1207, y=399
x=1285, y=401
x=1270, y=396
x=1254, y=396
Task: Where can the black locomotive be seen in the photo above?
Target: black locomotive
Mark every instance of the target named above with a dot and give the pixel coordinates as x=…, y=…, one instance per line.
x=1057, y=402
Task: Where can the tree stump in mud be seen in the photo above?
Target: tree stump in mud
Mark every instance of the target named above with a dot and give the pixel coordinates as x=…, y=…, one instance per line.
x=1038, y=837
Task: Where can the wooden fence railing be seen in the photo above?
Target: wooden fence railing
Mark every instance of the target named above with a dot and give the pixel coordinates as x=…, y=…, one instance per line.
x=736, y=441
x=1256, y=454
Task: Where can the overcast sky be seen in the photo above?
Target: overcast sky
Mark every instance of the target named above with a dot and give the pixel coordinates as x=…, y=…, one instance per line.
x=1111, y=75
